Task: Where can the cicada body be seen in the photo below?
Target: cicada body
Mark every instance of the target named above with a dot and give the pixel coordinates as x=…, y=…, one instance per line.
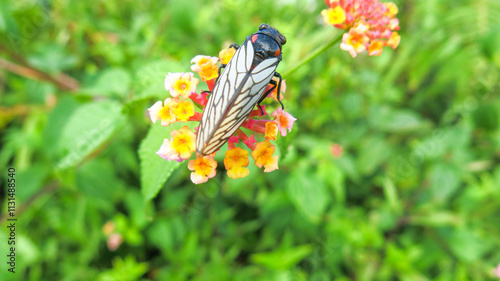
x=240, y=87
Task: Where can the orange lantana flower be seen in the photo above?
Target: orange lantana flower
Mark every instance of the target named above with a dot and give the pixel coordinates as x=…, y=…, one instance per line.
x=235, y=162
x=203, y=169
x=206, y=67
x=263, y=156
x=271, y=130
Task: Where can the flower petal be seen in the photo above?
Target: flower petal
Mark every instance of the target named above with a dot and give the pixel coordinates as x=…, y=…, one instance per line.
x=154, y=111
x=203, y=168
x=206, y=67
x=183, y=142
x=166, y=151
x=263, y=156
x=284, y=119
x=181, y=84
x=271, y=130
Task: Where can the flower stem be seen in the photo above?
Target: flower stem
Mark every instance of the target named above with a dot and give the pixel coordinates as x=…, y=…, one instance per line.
x=313, y=55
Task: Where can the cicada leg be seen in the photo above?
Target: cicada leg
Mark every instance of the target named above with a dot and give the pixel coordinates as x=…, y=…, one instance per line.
x=274, y=85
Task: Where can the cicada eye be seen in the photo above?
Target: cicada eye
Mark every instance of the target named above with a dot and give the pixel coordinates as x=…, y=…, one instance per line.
x=263, y=26
x=283, y=39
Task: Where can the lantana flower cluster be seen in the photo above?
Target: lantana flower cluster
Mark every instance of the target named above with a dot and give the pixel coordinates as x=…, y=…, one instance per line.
x=180, y=107
x=371, y=24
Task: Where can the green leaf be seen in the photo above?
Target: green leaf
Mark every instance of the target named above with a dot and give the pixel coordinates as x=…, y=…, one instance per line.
x=111, y=82
x=31, y=180
x=308, y=194
x=394, y=120
x=127, y=269
x=53, y=58
x=87, y=130
x=444, y=180
x=138, y=209
x=55, y=126
x=335, y=178
x=373, y=151
x=7, y=21
x=97, y=180
x=466, y=245
x=285, y=143
x=282, y=258
x=154, y=169
x=148, y=81
x=161, y=234
x=189, y=249
x=391, y=194
x=30, y=251
x=490, y=45
x=486, y=117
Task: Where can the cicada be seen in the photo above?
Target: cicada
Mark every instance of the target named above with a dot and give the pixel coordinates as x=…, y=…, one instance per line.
x=241, y=85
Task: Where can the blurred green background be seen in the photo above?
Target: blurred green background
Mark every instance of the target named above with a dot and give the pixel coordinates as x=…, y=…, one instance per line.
x=415, y=194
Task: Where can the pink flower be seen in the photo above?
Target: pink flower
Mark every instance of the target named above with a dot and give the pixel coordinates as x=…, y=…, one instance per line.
x=337, y=150
x=284, y=119
x=370, y=24
x=496, y=271
x=114, y=241
x=250, y=142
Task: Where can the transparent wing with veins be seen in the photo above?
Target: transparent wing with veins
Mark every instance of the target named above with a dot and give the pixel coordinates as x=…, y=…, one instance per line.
x=234, y=96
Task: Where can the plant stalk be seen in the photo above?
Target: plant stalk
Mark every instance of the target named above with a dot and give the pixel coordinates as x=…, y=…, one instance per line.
x=313, y=55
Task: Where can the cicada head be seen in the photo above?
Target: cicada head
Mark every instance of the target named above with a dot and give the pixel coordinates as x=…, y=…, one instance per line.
x=272, y=32
x=267, y=43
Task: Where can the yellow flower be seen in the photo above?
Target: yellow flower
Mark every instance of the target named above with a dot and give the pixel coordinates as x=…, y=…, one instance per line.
x=203, y=168
x=226, y=55
x=166, y=151
x=206, y=67
x=235, y=161
x=375, y=48
x=181, y=84
x=334, y=15
x=179, y=147
x=183, y=110
x=164, y=113
x=263, y=156
x=183, y=142
x=394, y=40
x=271, y=130
x=360, y=27
x=392, y=9
x=354, y=41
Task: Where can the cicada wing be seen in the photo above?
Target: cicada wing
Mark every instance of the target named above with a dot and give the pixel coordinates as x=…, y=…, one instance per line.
x=222, y=94
x=234, y=96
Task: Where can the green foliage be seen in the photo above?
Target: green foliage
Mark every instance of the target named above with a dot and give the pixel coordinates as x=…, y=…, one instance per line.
x=414, y=195
x=154, y=169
